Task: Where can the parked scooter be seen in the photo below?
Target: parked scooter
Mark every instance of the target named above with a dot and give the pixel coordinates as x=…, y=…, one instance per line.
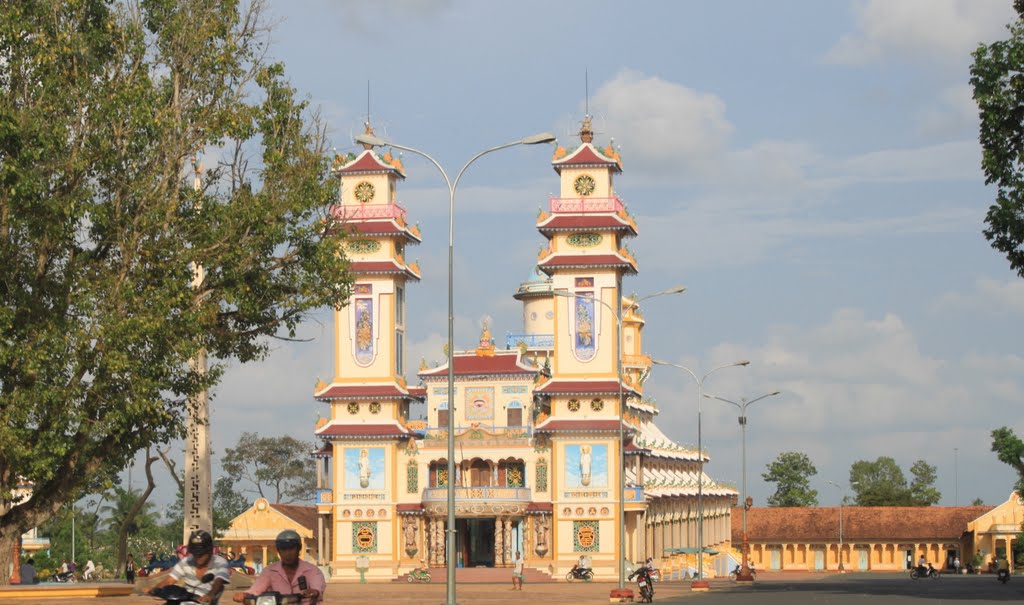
x=420, y=574
x=644, y=583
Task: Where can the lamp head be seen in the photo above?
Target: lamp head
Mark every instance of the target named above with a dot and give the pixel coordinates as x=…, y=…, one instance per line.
x=742, y=363
x=773, y=394
x=369, y=139
x=660, y=362
x=537, y=139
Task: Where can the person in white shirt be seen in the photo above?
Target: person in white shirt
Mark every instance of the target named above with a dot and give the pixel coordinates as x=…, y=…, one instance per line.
x=198, y=564
x=517, y=572
x=89, y=569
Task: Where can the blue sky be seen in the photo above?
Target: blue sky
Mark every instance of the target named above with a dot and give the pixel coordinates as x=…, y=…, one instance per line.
x=809, y=170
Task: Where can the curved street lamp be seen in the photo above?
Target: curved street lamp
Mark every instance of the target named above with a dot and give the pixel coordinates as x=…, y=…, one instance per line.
x=744, y=575
x=699, y=582
x=373, y=141
x=621, y=554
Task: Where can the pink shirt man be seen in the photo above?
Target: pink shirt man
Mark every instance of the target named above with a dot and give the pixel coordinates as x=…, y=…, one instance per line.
x=274, y=578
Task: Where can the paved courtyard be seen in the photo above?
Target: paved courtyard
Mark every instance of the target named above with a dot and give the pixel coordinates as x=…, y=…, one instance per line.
x=771, y=589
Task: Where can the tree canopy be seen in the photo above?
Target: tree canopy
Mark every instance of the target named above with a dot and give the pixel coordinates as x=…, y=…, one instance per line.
x=106, y=212
x=790, y=473
x=276, y=468
x=1010, y=450
x=997, y=77
x=882, y=483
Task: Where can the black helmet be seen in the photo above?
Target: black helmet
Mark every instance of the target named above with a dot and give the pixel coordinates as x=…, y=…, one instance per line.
x=288, y=539
x=200, y=543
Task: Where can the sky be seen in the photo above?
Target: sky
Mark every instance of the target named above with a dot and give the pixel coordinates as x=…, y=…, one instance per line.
x=808, y=170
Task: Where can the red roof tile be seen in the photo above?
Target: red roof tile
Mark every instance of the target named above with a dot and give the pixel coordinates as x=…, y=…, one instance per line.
x=368, y=162
x=539, y=507
x=470, y=364
x=584, y=261
x=582, y=426
x=583, y=387
x=354, y=431
x=418, y=392
x=585, y=155
x=303, y=515
x=368, y=267
x=597, y=222
x=324, y=452
x=880, y=523
x=412, y=508
x=363, y=228
x=358, y=391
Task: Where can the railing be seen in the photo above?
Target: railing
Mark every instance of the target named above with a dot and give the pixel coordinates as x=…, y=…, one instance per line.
x=586, y=204
x=511, y=432
x=532, y=341
x=368, y=211
x=433, y=494
x=324, y=496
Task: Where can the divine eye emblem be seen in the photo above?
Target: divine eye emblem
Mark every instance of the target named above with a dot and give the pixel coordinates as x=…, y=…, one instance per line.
x=364, y=192
x=584, y=185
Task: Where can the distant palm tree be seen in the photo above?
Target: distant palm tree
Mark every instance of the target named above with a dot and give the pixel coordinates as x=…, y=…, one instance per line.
x=118, y=512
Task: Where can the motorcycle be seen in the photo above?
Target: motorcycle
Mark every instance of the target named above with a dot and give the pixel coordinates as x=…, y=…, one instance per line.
x=736, y=572
x=917, y=573
x=580, y=573
x=272, y=598
x=67, y=576
x=644, y=583
x=420, y=574
x=1003, y=575
x=172, y=594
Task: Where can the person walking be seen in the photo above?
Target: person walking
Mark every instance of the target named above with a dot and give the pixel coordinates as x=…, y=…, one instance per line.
x=956, y=565
x=129, y=569
x=517, y=572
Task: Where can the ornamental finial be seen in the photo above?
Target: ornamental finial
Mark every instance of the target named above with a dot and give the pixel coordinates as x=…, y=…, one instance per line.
x=368, y=130
x=586, y=130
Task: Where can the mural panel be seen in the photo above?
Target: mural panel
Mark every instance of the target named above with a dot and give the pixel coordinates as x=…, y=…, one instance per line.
x=363, y=341
x=364, y=537
x=364, y=468
x=585, y=341
x=586, y=466
x=586, y=536
x=480, y=403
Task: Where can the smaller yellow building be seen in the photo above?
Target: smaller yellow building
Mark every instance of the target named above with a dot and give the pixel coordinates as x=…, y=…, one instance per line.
x=995, y=531
x=252, y=533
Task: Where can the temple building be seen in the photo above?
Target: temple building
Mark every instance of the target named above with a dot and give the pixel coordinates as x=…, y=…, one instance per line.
x=537, y=421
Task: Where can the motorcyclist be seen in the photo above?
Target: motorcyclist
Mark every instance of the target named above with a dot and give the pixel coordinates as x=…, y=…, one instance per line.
x=200, y=562
x=290, y=575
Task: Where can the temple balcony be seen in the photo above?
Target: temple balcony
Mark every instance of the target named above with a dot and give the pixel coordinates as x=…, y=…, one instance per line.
x=583, y=205
x=533, y=342
x=481, y=494
x=368, y=212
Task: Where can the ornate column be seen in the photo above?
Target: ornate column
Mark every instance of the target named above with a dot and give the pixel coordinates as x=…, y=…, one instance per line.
x=527, y=526
x=499, y=546
x=506, y=541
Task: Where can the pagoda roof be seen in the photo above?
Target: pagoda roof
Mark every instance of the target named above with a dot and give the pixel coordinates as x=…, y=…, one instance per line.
x=345, y=430
x=324, y=452
x=539, y=508
x=409, y=508
x=601, y=425
x=556, y=386
x=363, y=391
x=586, y=261
x=385, y=228
x=384, y=267
x=590, y=222
x=368, y=162
x=501, y=363
x=587, y=155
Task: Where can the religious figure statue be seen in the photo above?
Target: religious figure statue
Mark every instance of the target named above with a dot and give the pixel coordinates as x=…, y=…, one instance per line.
x=542, y=535
x=410, y=534
x=585, y=465
x=364, y=467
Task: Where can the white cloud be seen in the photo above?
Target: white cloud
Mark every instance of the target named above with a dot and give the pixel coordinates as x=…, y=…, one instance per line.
x=952, y=114
x=954, y=160
x=665, y=129
x=932, y=30
x=987, y=296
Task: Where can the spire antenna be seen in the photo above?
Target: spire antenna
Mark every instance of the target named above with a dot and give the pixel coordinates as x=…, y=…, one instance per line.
x=586, y=92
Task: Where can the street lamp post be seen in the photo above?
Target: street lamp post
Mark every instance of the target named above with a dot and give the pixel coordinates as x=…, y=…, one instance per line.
x=744, y=575
x=617, y=314
x=369, y=139
x=842, y=501
x=700, y=583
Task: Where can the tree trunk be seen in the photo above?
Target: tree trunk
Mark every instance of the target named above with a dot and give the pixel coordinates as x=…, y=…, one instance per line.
x=122, y=534
x=8, y=539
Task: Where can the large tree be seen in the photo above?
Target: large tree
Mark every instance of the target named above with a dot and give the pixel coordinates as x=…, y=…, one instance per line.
x=790, y=473
x=922, y=488
x=997, y=76
x=1010, y=450
x=879, y=483
x=103, y=222
x=276, y=468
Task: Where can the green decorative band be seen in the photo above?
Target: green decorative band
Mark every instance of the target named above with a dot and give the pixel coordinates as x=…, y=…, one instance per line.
x=362, y=246
x=584, y=240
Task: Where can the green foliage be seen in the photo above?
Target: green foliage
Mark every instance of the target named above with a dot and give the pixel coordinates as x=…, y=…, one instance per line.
x=791, y=472
x=1010, y=450
x=977, y=502
x=882, y=483
x=102, y=105
x=922, y=488
x=276, y=468
x=997, y=77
